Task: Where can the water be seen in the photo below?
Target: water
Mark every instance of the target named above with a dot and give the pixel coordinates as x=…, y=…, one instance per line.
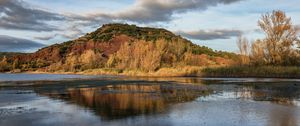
x=36, y=77
x=113, y=101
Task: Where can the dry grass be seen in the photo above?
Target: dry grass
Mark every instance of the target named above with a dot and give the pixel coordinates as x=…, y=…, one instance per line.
x=216, y=71
x=163, y=72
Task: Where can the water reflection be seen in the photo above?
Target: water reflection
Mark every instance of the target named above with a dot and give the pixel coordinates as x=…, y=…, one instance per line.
x=151, y=101
x=276, y=103
x=285, y=94
x=288, y=118
x=119, y=101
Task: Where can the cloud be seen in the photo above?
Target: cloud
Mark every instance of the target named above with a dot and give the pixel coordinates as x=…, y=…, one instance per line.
x=48, y=37
x=152, y=11
x=211, y=35
x=72, y=33
x=12, y=44
x=16, y=14
x=148, y=11
x=19, y=15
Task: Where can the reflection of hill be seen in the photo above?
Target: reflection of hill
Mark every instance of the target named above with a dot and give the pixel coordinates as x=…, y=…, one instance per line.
x=181, y=80
x=117, y=101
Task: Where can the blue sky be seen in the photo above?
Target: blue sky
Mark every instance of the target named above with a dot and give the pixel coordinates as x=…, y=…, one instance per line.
x=213, y=23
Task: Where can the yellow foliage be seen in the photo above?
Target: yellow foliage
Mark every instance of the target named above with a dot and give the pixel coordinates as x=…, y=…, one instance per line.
x=3, y=64
x=89, y=59
x=71, y=62
x=281, y=38
x=139, y=55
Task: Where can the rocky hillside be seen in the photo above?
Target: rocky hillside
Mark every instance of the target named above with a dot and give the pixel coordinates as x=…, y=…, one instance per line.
x=122, y=46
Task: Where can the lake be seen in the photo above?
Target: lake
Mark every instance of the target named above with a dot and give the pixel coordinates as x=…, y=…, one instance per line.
x=63, y=100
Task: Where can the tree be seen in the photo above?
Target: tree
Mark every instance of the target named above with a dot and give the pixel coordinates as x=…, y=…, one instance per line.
x=90, y=59
x=257, y=56
x=71, y=63
x=281, y=37
x=243, y=45
x=4, y=64
x=111, y=62
x=141, y=55
x=16, y=64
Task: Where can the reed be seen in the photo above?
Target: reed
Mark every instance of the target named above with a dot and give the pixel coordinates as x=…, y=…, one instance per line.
x=252, y=71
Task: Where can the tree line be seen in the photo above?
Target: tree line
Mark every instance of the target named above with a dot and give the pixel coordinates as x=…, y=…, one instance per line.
x=280, y=47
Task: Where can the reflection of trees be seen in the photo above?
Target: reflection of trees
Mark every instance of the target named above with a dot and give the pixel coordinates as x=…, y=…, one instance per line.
x=117, y=101
x=283, y=94
x=181, y=80
x=286, y=94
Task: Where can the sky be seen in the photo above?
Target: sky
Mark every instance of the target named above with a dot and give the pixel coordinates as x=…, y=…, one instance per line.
x=27, y=25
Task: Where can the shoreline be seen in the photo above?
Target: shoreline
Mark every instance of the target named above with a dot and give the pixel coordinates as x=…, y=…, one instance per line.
x=202, y=72
x=204, y=78
x=150, y=76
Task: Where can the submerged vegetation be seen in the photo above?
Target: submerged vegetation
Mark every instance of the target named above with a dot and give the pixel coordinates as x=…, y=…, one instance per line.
x=132, y=50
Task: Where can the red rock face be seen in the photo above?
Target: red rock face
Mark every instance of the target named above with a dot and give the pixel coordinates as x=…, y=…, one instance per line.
x=106, y=48
x=113, y=46
x=50, y=54
x=53, y=54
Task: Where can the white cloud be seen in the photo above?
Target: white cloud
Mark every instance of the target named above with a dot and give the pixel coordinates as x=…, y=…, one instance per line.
x=211, y=34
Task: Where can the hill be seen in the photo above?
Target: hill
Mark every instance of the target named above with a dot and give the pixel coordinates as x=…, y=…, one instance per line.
x=122, y=46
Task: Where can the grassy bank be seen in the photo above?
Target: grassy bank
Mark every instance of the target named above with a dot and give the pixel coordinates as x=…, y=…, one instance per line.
x=163, y=72
x=232, y=71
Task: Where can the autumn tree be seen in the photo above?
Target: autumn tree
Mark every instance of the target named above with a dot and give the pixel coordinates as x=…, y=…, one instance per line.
x=90, y=59
x=281, y=37
x=4, y=64
x=141, y=55
x=16, y=64
x=56, y=67
x=122, y=58
x=71, y=63
x=244, y=49
x=151, y=60
x=257, y=54
x=111, y=62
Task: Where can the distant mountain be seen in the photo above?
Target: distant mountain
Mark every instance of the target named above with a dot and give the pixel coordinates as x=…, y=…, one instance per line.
x=123, y=46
